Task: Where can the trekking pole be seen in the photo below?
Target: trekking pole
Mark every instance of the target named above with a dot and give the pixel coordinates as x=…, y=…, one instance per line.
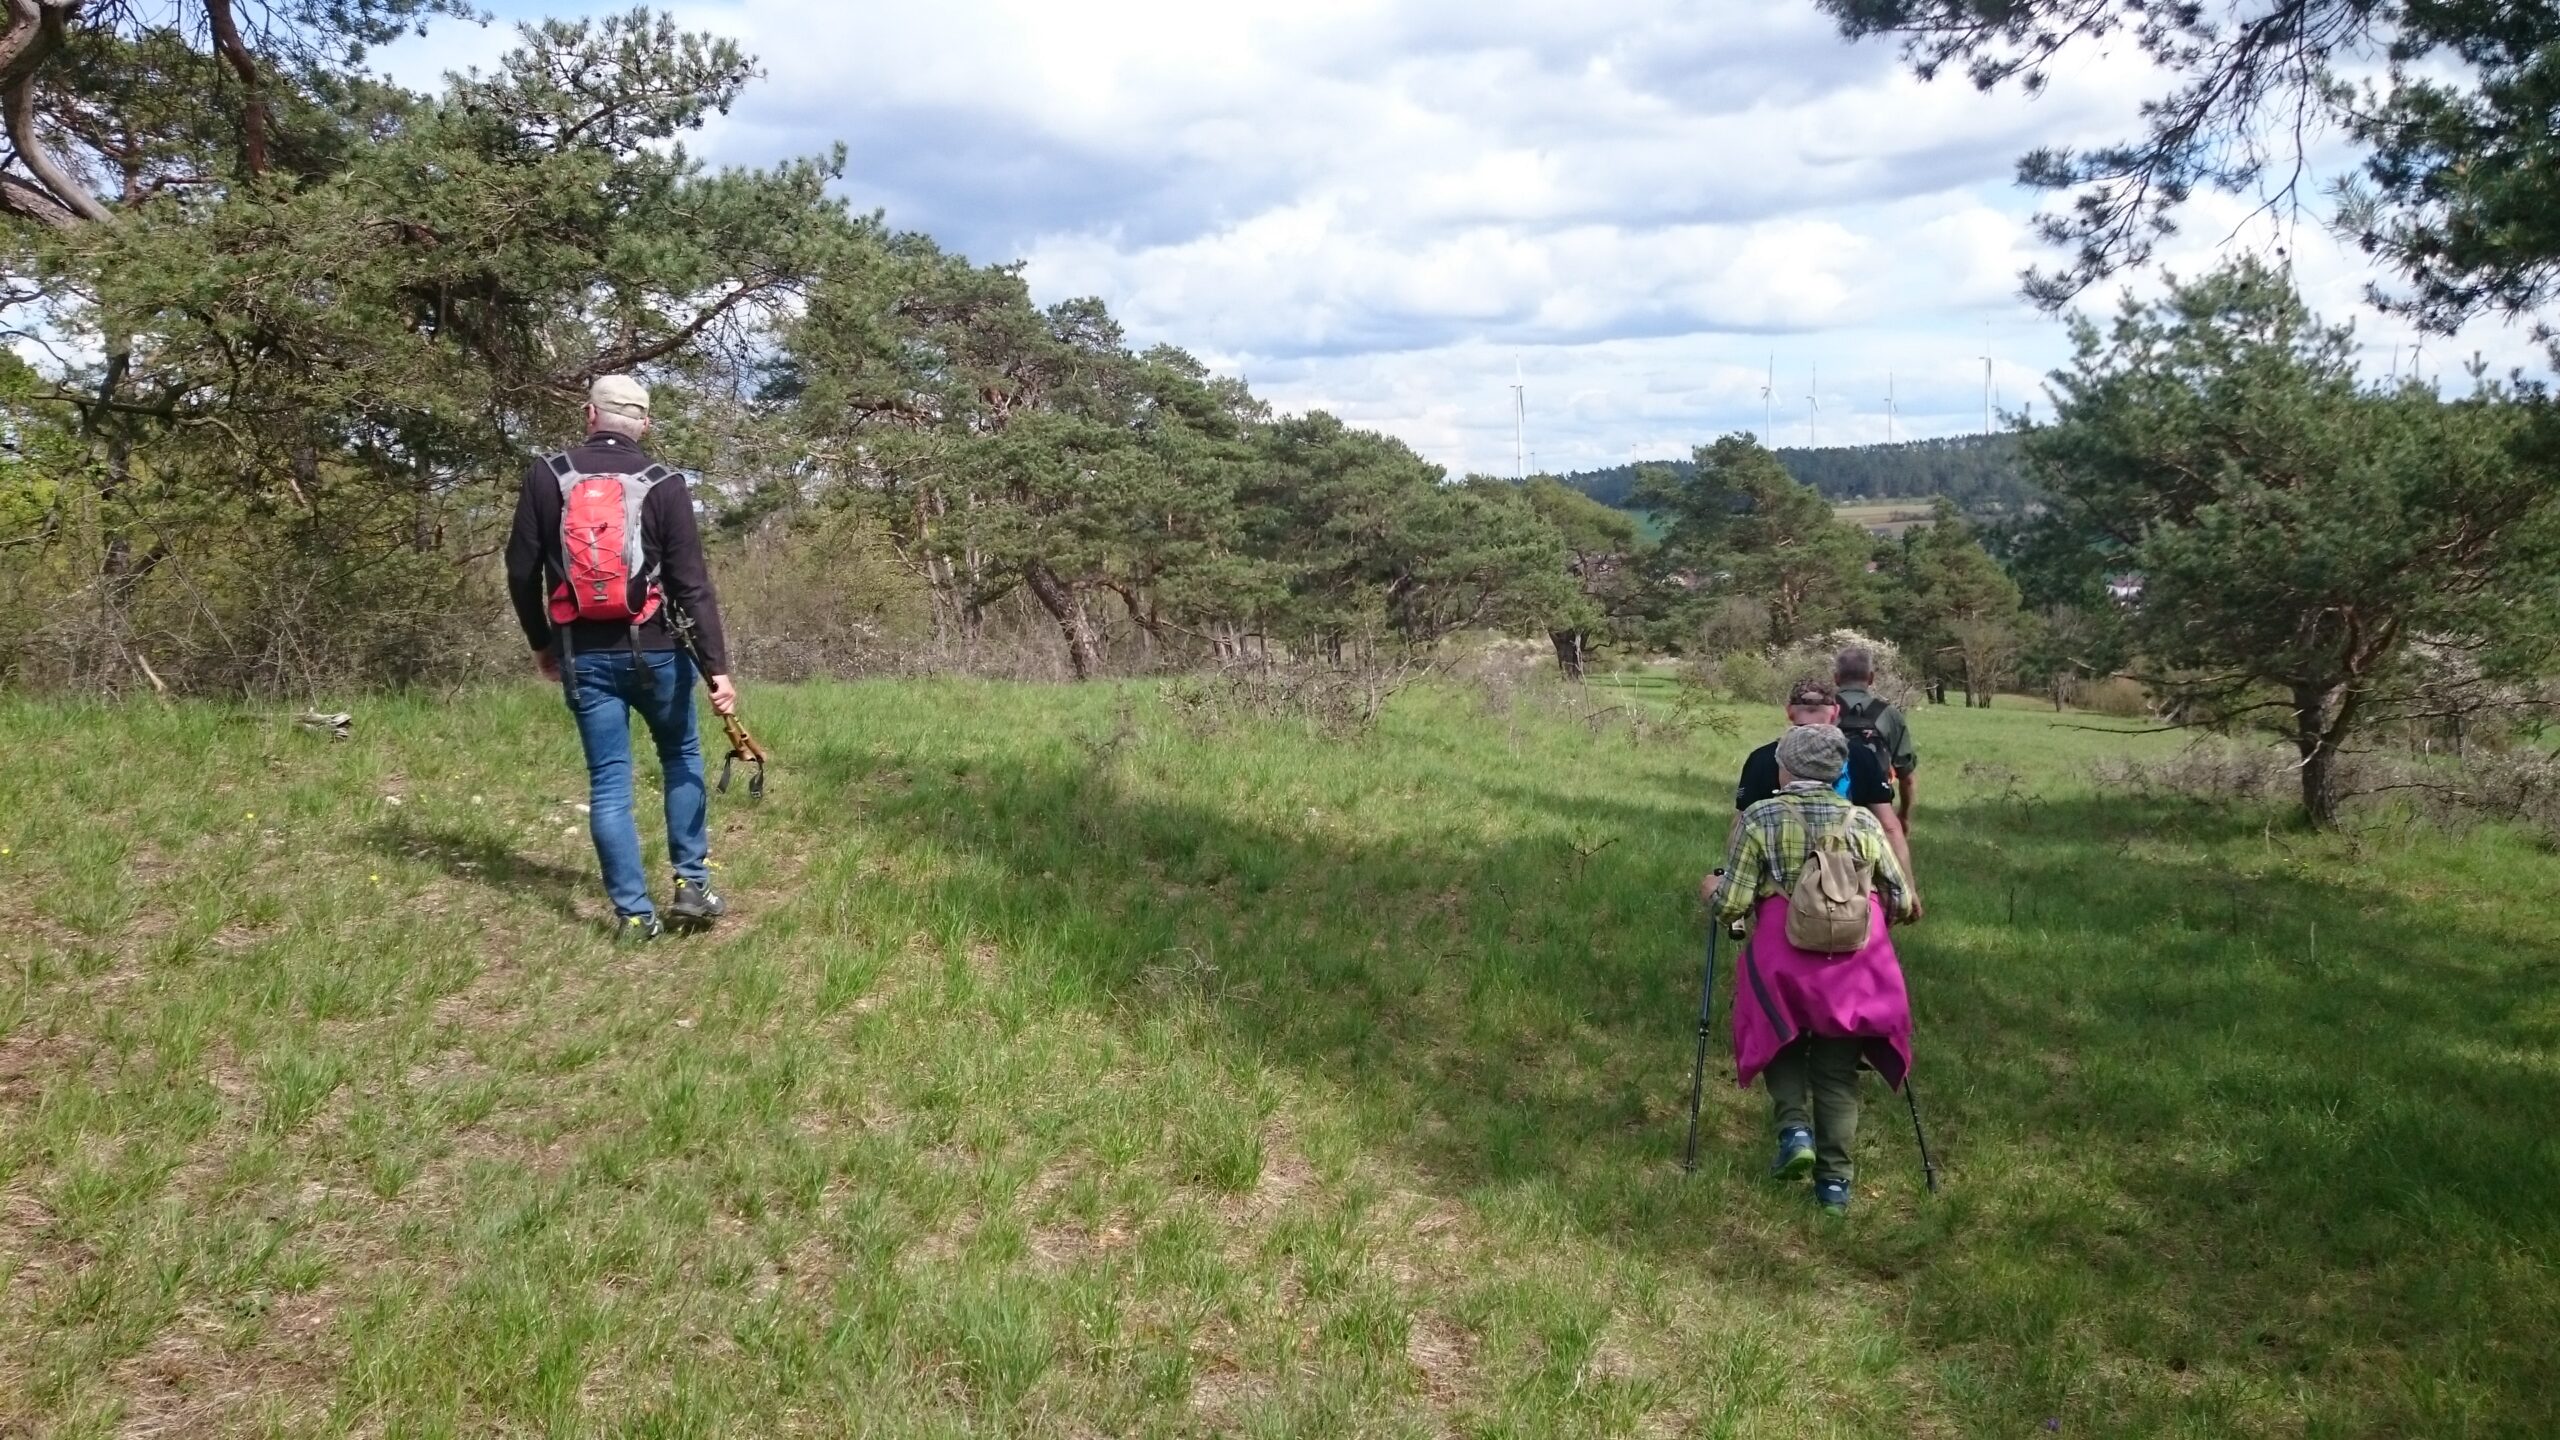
x=742, y=746
x=1928, y=1167
x=1698, y=1070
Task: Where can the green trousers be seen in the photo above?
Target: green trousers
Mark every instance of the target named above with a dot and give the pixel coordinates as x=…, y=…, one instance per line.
x=1813, y=1083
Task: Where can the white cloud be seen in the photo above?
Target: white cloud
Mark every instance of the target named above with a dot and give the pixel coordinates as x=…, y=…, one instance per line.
x=1376, y=207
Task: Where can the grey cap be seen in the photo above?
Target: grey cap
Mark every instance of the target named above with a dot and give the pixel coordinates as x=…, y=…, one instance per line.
x=1813, y=752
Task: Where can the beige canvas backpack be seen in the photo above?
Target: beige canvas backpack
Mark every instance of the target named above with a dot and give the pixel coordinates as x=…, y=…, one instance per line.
x=1828, y=911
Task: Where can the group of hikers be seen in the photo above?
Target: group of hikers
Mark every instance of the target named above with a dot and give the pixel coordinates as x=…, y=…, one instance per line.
x=1817, y=870
x=606, y=573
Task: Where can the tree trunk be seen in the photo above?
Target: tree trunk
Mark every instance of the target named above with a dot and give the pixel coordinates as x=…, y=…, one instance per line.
x=1150, y=625
x=973, y=618
x=1084, y=655
x=2315, y=738
x=1569, y=652
x=424, y=532
x=2320, y=787
x=120, y=570
x=228, y=43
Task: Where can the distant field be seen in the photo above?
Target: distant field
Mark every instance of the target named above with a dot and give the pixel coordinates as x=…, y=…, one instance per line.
x=1895, y=516
x=1078, y=1065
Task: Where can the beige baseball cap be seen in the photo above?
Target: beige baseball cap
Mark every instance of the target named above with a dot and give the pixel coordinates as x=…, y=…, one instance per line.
x=619, y=395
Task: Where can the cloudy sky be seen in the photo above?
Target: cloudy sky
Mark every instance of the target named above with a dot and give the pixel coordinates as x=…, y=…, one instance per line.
x=1380, y=209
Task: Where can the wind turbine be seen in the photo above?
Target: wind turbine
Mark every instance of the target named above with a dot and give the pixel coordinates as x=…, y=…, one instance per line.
x=1519, y=422
x=1889, y=407
x=1813, y=416
x=1768, y=387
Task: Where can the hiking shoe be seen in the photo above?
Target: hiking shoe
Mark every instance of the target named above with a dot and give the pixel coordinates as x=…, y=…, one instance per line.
x=1832, y=1196
x=694, y=906
x=636, y=930
x=1795, y=1154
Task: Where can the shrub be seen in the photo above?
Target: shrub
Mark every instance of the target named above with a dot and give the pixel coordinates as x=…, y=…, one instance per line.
x=2114, y=695
x=2521, y=789
x=1504, y=675
x=1750, y=679
x=1817, y=656
x=825, y=596
x=2210, y=770
x=1339, y=702
x=1734, y=624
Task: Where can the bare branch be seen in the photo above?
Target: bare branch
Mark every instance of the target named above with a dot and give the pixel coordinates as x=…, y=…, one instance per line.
x=630, y=356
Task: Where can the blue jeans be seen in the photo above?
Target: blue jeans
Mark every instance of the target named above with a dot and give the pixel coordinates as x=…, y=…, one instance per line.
x=603, y=689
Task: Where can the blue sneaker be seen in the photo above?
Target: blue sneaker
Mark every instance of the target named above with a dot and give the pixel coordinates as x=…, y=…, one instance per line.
x=1795, y=1154
x=1832, y=1196
x=636, y=929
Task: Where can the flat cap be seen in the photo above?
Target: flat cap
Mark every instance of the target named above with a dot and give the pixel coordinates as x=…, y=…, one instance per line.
x=1813, y=752
x=619, y=395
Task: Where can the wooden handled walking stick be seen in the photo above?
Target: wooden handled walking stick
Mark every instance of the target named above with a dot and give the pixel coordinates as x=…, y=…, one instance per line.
x=742, y=745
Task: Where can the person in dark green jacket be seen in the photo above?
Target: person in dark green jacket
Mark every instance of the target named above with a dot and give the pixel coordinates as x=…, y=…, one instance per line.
x=1876, y=723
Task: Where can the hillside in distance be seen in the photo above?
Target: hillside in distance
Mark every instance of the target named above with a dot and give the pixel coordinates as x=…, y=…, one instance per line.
x=1981, y=473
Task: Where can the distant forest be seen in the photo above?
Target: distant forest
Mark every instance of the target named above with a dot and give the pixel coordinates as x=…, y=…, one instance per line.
x=1981, y=473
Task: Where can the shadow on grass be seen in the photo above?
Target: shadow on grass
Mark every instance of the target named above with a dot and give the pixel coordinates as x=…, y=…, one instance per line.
x=487, y=860
x=2264, y=1119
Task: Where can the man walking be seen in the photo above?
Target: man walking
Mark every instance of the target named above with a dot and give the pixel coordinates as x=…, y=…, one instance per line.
x=1874, y=724
x=604, y=545
x=1864, y=782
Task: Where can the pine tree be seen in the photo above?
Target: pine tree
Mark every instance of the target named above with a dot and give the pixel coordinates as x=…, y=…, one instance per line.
x=2297, y=536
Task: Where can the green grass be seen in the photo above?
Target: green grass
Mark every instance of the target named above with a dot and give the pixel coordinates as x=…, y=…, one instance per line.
x=1894, y=516
x=1068, y=1072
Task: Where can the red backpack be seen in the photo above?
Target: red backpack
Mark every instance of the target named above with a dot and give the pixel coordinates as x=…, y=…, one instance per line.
x=609, y=574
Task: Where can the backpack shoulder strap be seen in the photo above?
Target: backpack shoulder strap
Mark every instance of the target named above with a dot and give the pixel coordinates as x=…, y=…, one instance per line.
x=637, y=486
x=564, y=471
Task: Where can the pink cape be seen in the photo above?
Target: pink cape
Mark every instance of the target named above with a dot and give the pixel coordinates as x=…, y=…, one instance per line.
x=1780, y=993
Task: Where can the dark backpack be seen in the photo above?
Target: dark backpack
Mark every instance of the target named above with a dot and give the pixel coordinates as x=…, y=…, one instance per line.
x=1858, y=723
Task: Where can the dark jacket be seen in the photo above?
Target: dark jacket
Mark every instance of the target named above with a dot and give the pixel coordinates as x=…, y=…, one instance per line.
x=1868, y=784
x=667, y=531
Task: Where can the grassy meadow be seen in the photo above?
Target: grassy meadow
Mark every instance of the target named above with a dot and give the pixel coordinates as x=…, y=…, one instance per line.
x=1078, y=1064
x=1892, y=516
